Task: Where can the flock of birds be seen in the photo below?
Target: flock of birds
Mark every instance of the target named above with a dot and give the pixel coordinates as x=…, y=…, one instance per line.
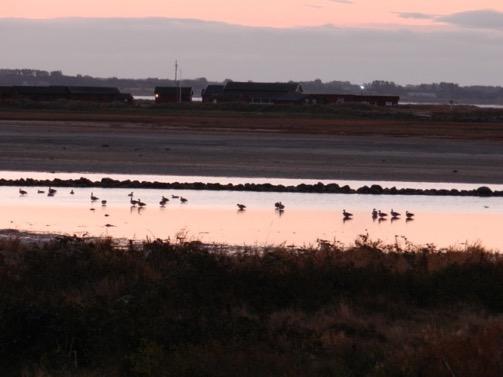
x=279, y=206
x=382, y=216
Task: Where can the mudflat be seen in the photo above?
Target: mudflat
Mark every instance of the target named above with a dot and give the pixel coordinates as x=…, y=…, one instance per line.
x=290, y=147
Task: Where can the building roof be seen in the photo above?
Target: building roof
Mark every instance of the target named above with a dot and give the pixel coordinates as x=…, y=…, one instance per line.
x=261, y=87
x=173, y=90
x=93, y=90
x=212, y=90
x=5, y=90
x=41, y=90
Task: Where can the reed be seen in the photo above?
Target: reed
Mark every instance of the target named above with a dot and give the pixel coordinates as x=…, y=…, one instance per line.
x=88, y=308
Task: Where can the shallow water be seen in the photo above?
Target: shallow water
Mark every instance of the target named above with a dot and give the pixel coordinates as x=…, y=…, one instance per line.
x=212, y=216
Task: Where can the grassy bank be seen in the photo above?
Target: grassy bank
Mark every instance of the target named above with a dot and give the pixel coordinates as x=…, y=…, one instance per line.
x=73, y=307
x=149, y=112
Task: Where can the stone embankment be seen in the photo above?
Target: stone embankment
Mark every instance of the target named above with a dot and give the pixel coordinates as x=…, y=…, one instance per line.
x=318, y=188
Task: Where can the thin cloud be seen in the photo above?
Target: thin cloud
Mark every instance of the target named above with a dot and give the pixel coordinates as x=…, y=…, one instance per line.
x=415, y=15
x=342, y=1
x=478, y=19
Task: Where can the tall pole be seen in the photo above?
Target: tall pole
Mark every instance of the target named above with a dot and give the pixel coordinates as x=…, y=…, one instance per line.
x=177, y=83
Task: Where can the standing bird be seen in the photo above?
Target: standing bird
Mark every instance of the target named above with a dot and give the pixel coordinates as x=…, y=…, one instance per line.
x=163, y=201
x=140, y=203
x=183, y=200
x=241, y=207
x=51, y=192
x=72, y=192
x=395, y=214
x=131, y=194
x=22, y=192
x=382, y=215
x=279, y=206
x=409, y=215
x=347, y=215
x=94, y=198
x=133, y=202
x=375, y=214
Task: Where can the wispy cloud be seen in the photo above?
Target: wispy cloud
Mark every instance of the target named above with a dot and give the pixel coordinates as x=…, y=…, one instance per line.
x=480, y=19
x=474, y=19
x=415, y=15
x=342, y=1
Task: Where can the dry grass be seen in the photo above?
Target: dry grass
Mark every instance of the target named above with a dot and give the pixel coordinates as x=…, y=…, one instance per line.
x=84, y=308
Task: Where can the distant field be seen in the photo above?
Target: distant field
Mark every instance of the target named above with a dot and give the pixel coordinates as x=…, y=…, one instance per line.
x=409, y=143
x=429, y=121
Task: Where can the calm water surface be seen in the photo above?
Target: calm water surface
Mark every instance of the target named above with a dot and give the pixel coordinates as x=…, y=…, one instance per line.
x=212, y=216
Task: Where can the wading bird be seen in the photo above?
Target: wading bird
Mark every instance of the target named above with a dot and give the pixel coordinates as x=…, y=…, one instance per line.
x=382, y=215
x=279, y=206
x=22, y=192
x=395, y=214
x=183, y=200
x=347, y=215
x=93, y=198
x=409, y=215
x=375, y=214
x=241, y=207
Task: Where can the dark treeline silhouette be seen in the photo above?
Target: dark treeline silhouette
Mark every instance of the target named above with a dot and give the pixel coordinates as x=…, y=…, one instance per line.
x=424, y=93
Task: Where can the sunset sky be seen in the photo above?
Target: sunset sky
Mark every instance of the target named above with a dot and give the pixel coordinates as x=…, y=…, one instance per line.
x=277, y=13
x=407, y=41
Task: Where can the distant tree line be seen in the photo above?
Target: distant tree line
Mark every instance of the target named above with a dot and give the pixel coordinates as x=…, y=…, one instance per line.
x=424, y=93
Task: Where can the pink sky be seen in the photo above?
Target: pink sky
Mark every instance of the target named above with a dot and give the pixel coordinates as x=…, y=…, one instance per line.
x=275, y=13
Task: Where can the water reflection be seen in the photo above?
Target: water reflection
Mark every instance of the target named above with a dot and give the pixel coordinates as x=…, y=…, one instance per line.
x=214, y=217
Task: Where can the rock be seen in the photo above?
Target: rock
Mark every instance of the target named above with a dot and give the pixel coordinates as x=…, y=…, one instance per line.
x=484, y=191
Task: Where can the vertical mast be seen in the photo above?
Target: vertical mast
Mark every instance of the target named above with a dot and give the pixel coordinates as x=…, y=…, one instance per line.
x=177, y=83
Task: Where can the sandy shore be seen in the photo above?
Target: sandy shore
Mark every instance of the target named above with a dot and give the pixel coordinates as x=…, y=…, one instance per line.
x=277, y=147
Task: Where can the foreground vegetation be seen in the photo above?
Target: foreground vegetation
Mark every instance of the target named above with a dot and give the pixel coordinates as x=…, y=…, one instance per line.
x=74, y=307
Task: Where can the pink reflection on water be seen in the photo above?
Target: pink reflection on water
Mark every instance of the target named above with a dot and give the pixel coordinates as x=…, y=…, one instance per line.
x=254, y=226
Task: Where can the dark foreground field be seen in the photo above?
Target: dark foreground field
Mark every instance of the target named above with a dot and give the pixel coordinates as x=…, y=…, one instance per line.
x=71, y=307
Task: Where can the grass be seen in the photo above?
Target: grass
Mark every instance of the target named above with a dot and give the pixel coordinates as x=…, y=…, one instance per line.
x=148, y=110
x=88, y=308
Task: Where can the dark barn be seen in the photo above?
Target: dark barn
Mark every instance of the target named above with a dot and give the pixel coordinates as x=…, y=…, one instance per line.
x=257, y=92
x=212, y=93
x=98, y=94
x=173, y=94
x=71, y=93
x=285, y=93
